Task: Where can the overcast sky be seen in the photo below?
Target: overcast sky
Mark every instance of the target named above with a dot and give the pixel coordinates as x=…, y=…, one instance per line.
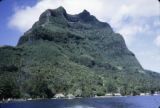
x=137, y=20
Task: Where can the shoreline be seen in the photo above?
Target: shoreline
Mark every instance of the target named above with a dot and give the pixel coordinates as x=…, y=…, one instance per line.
x=66, y=98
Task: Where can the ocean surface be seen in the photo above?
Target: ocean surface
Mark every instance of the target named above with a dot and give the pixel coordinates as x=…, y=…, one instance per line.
x=113, y=102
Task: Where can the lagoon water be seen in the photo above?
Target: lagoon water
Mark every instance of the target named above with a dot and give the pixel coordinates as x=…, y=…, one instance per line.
x=114, y=102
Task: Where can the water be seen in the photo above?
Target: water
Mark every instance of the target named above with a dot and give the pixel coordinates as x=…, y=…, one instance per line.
x=115, y=102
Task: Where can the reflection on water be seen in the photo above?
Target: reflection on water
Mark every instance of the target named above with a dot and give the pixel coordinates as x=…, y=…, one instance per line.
x=80, y=106
x=116, y=102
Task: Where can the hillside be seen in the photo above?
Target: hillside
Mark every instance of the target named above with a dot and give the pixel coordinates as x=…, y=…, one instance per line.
x=71, y=54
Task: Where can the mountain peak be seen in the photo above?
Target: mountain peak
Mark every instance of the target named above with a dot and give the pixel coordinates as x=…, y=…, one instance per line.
x=60, y=9
x=85, y=12
x=59, y=19
x=85, y=15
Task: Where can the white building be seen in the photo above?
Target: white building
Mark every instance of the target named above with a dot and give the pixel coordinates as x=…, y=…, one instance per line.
x=59, y=95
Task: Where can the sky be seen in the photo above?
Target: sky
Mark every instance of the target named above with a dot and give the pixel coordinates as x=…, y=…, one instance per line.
x=137, y=20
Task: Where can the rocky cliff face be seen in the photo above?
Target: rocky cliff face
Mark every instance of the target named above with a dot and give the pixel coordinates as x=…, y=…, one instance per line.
x=83, y=31
x=75, y=54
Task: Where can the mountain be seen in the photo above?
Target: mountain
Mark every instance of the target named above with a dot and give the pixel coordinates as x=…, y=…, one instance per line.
x=71, y=54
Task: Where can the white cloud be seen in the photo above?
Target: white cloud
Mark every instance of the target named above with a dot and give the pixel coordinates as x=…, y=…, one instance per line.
x=157, y=41
x=112, y=11
x=157, y=23
x=129, y=32
x=25, y=17
x=150, y=59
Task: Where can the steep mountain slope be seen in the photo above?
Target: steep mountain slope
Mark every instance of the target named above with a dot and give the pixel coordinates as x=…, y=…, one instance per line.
x=71, y=54
x=85, y=33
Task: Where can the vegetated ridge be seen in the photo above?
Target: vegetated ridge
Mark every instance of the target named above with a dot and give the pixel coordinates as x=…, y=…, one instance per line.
x=71, y=54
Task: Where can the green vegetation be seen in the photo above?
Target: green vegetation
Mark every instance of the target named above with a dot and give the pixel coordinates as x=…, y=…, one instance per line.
x=71, y=54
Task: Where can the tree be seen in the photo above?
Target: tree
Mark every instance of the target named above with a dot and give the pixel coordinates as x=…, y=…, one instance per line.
x=9, y=87
x=111, y=87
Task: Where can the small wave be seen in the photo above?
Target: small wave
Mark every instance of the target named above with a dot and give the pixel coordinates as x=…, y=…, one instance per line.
x=79, y=106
